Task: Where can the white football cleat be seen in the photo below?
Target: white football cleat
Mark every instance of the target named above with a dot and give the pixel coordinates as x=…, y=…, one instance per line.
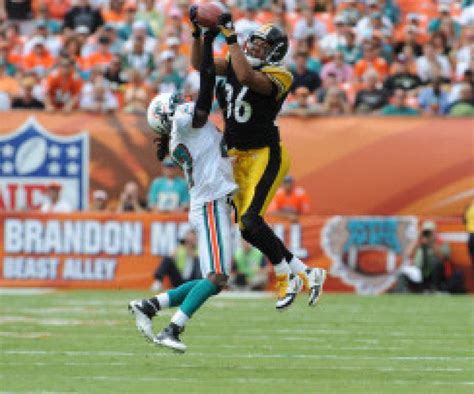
x=288, y=285
x=315, y=282
x=169, y=337
x=142, y=320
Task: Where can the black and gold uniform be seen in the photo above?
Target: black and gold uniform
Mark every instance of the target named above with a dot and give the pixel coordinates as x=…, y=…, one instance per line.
x=253, y=138
x=253, y=141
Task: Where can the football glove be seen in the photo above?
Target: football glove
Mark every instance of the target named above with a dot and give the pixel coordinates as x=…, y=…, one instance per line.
x=196, y=33
x=226, y=26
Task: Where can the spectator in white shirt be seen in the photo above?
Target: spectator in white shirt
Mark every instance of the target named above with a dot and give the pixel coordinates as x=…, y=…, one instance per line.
x=462, y=67
x=466, y=53
x=52, y=43
x=431, y=65
x=97, y=97
x=53, y=202
x=467, y=16
x=455, y=92
x=375, y=25
x=139, y=29
x=365, y=24
x=331, y=42
x=308, y=26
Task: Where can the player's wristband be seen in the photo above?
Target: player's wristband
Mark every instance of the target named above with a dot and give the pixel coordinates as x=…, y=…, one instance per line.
x=232, y=39
x=196, y=32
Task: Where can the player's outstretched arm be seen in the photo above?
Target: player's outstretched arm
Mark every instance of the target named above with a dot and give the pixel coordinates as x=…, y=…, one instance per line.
x=255, y=80
x=196, y=47
x=162, y=142
x=207, y=78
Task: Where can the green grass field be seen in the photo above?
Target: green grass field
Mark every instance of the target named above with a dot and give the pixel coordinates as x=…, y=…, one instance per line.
x=86, y=342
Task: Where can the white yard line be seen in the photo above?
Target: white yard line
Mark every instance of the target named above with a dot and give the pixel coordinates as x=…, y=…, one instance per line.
x=434, y=382
x=58, y=322
x=37, y=392
x=14, y=291
x=258, y=380
x=46, y=322
x=24, y=335
x=252, y=367
x=244, y=356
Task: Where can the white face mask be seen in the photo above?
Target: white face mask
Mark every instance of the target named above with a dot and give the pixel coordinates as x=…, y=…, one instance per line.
x=254, y=62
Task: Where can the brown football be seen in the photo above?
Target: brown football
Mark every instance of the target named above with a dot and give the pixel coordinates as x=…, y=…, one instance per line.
x=208, y=14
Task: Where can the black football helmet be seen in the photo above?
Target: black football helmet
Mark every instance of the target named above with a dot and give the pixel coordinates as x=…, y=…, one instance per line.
x=277, y=42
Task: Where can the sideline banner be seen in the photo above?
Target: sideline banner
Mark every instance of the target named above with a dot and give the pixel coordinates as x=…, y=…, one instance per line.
x=85, y=250
x=349, y=166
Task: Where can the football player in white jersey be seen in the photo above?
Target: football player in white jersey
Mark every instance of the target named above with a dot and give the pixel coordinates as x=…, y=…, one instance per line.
x=196, y=145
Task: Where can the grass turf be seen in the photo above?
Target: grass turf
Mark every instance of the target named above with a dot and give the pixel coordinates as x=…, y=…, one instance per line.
x=81, y=341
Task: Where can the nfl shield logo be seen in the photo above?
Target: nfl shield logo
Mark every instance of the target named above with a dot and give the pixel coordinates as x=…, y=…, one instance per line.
x=31, y=158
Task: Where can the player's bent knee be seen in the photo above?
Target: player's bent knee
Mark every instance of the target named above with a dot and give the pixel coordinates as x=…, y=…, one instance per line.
x=219, y=280
x=251, y=222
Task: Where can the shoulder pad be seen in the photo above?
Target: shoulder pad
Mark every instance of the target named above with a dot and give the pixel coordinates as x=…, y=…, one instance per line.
x=280, y=76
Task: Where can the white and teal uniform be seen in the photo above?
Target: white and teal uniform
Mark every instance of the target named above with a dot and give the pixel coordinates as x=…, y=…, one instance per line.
x=208, y=171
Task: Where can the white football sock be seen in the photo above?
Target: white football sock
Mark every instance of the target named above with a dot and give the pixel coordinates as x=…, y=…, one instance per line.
x=282, y=268
x=163, y=300
x=156, y=286
x=296, y=265
x=179, y=318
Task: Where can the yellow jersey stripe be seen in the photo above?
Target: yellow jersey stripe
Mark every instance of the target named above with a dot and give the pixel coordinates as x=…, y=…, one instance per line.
x=280, y=86
x=280, y=76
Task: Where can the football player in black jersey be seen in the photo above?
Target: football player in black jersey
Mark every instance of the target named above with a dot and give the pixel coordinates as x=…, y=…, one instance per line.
x=255, y=88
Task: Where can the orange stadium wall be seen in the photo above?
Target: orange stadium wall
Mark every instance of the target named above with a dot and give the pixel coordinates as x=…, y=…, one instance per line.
x=366, y=177
x=350, y=166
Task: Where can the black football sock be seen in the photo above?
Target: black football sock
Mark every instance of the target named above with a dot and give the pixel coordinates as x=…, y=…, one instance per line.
x=150, y=307
x=265, y=240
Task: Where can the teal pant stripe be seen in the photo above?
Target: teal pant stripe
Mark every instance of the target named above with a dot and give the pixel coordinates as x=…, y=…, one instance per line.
x=178, y=294
x=208, y=236
x=219, y=236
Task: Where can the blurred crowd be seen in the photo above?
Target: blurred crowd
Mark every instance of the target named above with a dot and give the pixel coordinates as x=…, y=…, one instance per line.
x=389, y=57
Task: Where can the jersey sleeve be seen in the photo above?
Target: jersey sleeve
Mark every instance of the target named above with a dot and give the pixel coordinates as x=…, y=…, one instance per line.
x=280, y=77
x=183, y=118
